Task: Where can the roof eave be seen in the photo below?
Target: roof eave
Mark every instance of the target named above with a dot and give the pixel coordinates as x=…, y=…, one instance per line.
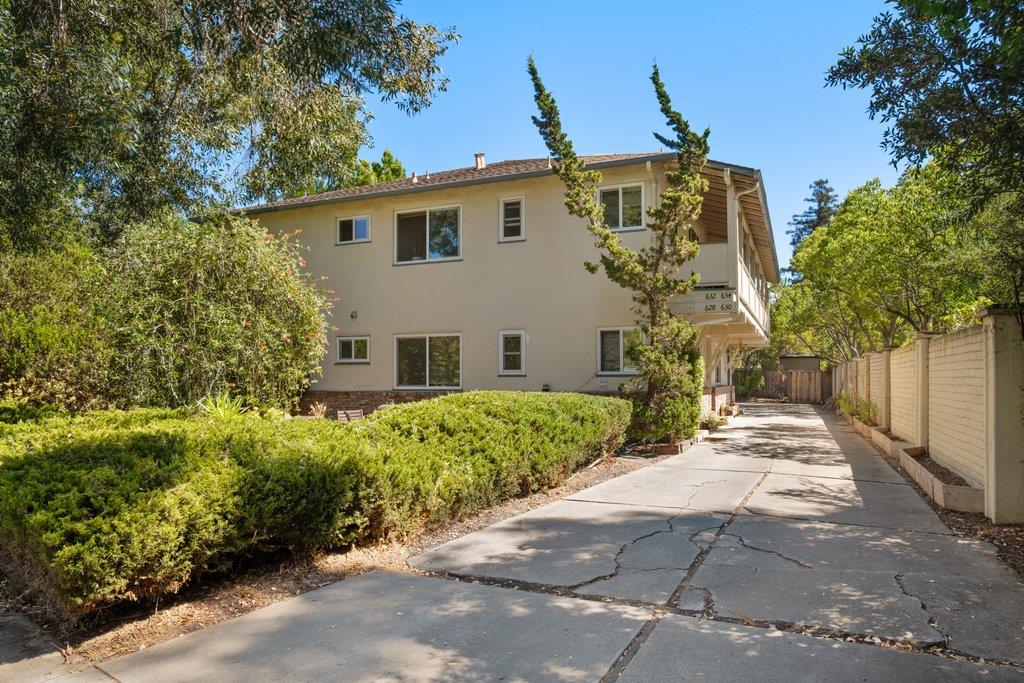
x=768, y=224
x=661, y=156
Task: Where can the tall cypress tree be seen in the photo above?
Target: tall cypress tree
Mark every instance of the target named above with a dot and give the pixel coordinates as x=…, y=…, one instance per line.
x=670, y=372
x=823, y=205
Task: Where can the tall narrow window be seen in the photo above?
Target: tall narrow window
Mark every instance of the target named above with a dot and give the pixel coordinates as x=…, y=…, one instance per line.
x=353, y=349
x=512, y=352
x=412, y=241
x=623, y=206
x=617, y=350
x=431, y=235
x=512, y=226
x=428, y=361
x=355, y=229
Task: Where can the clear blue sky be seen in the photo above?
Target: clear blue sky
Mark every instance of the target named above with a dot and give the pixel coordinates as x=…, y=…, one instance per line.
x=752, y=71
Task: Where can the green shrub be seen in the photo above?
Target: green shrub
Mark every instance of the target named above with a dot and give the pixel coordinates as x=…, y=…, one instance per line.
x=674, y=413
x=175, y=311
x=712, y=422
x=204, y=307
x=55, y=342
x=855, y=406
x=747, y=381
x=14, y=410
x=119, y=506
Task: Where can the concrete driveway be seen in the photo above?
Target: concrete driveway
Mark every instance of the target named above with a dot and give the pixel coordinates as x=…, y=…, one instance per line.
x=689, y=568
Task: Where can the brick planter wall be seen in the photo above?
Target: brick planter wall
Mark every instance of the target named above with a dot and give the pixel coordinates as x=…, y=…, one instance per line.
x=368, y=401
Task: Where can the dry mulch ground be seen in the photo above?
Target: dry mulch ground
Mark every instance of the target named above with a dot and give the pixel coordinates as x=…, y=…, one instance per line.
x=1008, y=539
x=217, y=599
x=940, y=472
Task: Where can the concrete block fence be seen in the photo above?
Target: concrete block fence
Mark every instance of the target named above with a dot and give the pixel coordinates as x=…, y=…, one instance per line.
x=960, y=397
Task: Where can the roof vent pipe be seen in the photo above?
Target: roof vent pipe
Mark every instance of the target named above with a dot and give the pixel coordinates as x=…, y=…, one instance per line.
x=414, y=177
x=481, y=161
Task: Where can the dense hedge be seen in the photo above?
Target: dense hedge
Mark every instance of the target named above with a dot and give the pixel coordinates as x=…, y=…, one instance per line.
x=174, y=311
x=116, y=506
x=747, y=381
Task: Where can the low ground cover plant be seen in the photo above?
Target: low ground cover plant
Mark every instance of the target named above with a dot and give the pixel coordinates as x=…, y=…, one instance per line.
x=112, y=506
x=855, y=406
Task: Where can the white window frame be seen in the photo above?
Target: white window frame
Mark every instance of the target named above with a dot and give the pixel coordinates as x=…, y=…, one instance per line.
x=351, y=361
x=337, y=230
x=501, y=353
x=428, y=386
x=622, y=372
x=522, y=219
x=643, y=204
x=427, y=210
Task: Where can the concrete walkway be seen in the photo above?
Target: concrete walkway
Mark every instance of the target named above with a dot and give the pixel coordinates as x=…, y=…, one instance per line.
x=688, y=568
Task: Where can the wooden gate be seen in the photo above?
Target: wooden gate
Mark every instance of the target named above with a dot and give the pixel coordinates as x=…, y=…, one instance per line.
x=803, y=386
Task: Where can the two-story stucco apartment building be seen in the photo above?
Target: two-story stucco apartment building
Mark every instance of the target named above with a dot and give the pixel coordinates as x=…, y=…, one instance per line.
x=474, y=279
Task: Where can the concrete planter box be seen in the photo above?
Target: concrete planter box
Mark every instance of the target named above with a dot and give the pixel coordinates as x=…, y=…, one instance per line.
x=960, y=498
x=861, y=428
x=889, y=444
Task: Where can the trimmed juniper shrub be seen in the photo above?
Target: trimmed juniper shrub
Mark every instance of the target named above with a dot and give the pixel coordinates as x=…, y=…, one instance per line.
x=111, y=506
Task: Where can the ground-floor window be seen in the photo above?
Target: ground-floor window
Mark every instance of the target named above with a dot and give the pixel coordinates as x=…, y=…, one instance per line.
x=431, y=361
x=512, y=352
x=616, y=349
x=353, y=349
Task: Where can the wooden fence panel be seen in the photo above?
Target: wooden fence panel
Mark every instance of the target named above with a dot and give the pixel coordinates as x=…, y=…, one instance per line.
x=804, y=386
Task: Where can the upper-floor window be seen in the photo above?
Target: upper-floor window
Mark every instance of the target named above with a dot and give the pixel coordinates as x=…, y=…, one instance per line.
x=616, y=348
x=623, y=206
x=354, y=229
x=512, y=221
x=428, y=235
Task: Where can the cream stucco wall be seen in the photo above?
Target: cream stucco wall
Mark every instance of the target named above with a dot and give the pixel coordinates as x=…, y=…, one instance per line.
x=903, y=384
x=538, y=285
x=956, y=402
x=876, y=383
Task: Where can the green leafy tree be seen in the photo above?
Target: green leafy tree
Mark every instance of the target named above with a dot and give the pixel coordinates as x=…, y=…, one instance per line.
x=890, y=262
x=670, y=373
x=174, y=311
x=823, y=204
x=115, y=110
x=372, y=172
x=947, y=78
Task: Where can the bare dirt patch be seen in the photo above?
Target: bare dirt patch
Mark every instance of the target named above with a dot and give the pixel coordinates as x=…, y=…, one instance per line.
x=219, y=598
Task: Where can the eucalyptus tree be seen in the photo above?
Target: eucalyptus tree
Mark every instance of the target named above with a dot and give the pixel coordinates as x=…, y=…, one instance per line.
x=111, y=111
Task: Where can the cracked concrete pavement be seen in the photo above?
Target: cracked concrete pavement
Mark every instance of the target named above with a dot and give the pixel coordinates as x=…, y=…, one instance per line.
x=763, y=552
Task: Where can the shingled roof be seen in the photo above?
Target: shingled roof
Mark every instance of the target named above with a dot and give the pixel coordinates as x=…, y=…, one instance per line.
x=494, y=171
